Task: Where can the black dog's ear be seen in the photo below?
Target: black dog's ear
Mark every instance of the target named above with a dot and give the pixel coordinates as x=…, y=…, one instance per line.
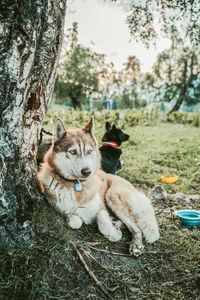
x=107, y=125
x=114, y=127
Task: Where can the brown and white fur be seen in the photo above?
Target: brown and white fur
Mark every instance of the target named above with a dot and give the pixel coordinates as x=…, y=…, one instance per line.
x=74, y=156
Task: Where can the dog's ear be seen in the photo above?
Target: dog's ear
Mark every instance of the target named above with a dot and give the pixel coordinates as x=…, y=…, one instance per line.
x=59, y=130
x=107, y=125
x=89, y=127
x=114, y=127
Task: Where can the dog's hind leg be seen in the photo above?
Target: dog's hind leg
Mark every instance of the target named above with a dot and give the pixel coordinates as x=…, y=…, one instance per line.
x=106, y=226
x=124, y=212
x=147, y=223
x=136, y=245
x=144, y=215
x=135, y=211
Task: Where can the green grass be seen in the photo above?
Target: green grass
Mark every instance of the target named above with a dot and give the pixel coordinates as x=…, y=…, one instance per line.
x=164, y=149
x=168, y=269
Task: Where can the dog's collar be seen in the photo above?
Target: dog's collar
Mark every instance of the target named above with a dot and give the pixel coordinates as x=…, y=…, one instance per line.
x=73, y=180
x=77, y=183
x=112, y=144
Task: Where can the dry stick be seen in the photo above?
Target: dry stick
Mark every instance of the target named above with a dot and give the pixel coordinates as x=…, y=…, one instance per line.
x=102, y=266
x=106, y=251
x=94, y=243
x=89, y=271
x=181, y=280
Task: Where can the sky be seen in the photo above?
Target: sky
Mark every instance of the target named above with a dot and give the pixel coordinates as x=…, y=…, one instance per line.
x=103, y=28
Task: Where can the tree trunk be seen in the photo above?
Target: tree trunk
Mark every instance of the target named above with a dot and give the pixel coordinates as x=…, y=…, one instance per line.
x=75, y=103
x=75, y=96
x=184, y=86
x=30, y=40
x=178, y=104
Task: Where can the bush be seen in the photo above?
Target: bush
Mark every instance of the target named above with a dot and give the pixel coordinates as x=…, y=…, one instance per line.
x=122, y=118
x=185, y=118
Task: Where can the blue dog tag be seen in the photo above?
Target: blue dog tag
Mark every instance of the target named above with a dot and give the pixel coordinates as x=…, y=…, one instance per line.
x=78, y=186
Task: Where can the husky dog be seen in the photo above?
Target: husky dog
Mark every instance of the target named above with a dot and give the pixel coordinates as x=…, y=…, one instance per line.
x=110, y=152
x=71, y=180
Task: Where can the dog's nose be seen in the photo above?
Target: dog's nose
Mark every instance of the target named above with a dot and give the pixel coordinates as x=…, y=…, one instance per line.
x=126, y=137
x=85, y=172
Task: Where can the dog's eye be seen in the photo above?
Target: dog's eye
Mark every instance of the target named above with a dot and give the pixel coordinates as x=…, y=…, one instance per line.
x=89, y=152
x=73, y=152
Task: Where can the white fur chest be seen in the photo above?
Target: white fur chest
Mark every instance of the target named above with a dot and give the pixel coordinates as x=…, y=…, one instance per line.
x=71, y=203
x=68, y=204
x=88, y=212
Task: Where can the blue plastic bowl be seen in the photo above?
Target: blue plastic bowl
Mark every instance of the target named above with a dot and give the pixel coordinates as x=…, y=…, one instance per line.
x=189, y=217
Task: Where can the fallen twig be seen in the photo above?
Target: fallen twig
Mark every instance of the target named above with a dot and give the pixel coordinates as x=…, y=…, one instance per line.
x=94, y=243
x=89, y=255
x=110, y=252
x=89, y=270
x=188, y=278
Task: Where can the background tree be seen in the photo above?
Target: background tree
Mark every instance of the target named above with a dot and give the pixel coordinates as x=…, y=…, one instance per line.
x=129, y=82
x=30, y=40
x=178, y=21
x=78, y=72
x=177, y=73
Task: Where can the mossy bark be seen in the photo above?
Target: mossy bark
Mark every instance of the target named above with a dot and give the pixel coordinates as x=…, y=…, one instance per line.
x=30, y=40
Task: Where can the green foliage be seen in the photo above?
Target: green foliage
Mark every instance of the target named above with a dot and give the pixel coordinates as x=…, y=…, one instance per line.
x=125, y=100
x=178, y=20
x=123, y=118
x=177, y=69
x=77, y=73
x=177, y=78
x=185, y=118
x=78, y=77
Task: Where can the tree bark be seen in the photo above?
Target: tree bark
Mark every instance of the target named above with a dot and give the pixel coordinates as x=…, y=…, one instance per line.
x=30, y=41
x=178, y=104
x=75, y=96
x=75, y=103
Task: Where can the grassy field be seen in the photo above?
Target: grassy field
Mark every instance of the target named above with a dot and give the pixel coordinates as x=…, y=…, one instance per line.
x=168, y=269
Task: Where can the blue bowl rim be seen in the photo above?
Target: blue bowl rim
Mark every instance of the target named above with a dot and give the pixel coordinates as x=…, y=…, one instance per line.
x=178, y=213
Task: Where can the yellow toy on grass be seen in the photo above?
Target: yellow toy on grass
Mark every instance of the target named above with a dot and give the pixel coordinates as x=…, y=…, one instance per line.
x=169, y=179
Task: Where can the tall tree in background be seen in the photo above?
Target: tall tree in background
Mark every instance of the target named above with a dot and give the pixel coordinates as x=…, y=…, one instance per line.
x=31, y=34
x=178, y=75
x=128, y=82
x=78, y=72
x=132, y=74
x=179, y=21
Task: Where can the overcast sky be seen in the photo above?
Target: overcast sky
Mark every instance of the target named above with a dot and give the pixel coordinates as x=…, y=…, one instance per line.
x=103, y=28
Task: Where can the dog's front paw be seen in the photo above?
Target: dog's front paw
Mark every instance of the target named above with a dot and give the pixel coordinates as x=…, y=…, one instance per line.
x=114, y=235
x=136, y=247
x=75, y=222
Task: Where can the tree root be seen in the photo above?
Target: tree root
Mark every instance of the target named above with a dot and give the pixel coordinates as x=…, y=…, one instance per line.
x=89, y=270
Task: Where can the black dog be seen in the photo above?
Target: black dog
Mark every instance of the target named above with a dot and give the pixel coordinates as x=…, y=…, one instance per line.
x=110, y=152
